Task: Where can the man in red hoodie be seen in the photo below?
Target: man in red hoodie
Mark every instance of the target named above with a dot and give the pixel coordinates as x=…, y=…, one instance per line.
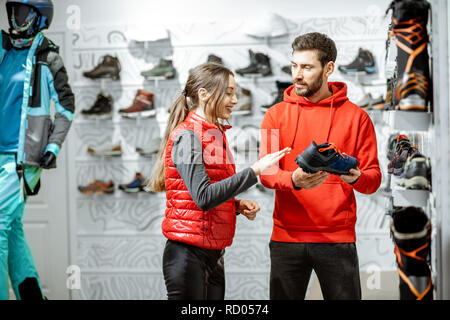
x=315, y=214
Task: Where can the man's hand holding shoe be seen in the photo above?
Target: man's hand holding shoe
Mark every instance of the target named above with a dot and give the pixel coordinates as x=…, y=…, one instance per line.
x=303, y=180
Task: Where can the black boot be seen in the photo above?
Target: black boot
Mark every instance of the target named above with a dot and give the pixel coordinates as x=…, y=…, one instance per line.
x=259, y=65
x=410, y=18
x=102, y=108
x=411, y=230
x=281, y=87
x=108, y=68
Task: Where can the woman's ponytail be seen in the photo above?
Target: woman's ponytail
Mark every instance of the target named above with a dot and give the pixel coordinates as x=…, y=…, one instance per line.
x=178, y=113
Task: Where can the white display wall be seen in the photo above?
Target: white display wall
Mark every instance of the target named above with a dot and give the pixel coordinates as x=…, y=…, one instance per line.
x=119, y=244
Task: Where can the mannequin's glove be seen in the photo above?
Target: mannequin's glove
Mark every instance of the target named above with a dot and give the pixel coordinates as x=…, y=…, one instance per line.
x=48, y=160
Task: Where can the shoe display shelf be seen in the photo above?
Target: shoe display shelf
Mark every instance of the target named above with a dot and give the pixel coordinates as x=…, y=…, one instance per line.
x=408, y=197
x=408, y=120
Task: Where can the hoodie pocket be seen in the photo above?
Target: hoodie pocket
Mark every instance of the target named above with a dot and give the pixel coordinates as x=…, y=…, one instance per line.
x=326, y=208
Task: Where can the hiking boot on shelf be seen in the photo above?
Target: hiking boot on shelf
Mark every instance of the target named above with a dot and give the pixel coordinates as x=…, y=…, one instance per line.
x=286, y=69
x=417, y=173
x=325, y=157
x=106, y=151
x=163, y=69
x=364, y=62
x=102, y=108
x=109, y=68
x=394, y=140
x=136, y=185
x=142, y=106
x=212, y=58
x=98, y=187
x=410, y=18
x=259, y=65
x=151, y=149
x=244, y=105
x=279, y=94
x=404, y=149
x=411, y=231
x=369, y=103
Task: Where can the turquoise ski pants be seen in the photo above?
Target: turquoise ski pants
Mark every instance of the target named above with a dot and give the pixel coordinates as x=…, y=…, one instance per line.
x=16, y=261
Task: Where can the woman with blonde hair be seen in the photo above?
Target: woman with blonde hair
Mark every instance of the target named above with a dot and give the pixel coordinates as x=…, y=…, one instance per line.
x=196, y=169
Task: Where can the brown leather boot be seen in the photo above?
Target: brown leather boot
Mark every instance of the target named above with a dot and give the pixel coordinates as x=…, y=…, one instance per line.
x=142, y=106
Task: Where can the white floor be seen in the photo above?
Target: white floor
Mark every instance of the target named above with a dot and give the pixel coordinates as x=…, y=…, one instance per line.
x=374, y=286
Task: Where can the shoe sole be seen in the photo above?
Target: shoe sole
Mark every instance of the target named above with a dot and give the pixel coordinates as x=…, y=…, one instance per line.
x=409, y=108
x=367, y=70
x=142, y=114
x=111, y=76
x=161, y=76
x=108, y=116
x=90, y=192
x=417, y=183
x=106, y=154
x=308, y=169
x=130, y=190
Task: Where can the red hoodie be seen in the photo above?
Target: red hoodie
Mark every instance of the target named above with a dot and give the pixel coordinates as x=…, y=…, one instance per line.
x=326, y=213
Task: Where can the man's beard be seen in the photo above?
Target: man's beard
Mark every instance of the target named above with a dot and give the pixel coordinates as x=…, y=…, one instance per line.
x=310, y=89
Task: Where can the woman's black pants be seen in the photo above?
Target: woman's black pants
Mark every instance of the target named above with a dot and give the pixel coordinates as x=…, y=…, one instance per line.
x=193, y=273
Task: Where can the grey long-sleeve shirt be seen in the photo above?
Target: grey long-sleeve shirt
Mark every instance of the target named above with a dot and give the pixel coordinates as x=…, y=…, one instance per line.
x=187, y=157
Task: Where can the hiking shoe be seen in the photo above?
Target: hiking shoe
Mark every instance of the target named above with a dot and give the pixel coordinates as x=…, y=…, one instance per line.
x=394, y=140
x=136, y=185
x=410, y=19
x=402, y=152
x=367, y=102
x=278, y=95
x=108, y=68
x=163, y=69
x=102, y=108
x=411, y=231
x=286, y=69
x=151, y=149
x=325, y=157
x=259, y=65
x=364, y=62
x=212, y=58
x=142, y=106
x=417, y=172
x=98, y=187
x=244, y=105
x=106, y=151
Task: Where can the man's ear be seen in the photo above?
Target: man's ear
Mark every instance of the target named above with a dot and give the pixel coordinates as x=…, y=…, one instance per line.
x=329, y=68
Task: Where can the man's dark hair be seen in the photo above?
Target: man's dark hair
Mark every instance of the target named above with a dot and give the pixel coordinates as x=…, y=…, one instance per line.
x=326, y=48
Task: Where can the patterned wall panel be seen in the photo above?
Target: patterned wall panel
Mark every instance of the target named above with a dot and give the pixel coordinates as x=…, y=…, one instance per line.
x=119, y=240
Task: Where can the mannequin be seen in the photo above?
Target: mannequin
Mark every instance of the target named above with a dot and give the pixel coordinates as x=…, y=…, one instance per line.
x=31, y=75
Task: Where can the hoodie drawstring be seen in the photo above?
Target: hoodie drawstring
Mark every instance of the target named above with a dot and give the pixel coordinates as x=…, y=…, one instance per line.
x=296, y=127
x=330, y=120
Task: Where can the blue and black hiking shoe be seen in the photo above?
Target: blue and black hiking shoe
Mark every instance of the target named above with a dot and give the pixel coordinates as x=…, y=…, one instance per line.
x=364, y=62
x=325, y=157
x=137, y=185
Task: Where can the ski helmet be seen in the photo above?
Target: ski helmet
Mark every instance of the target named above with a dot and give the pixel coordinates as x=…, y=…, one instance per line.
x=43, y=7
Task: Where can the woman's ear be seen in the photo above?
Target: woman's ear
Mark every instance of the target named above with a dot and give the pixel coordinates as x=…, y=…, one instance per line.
x=203, y=94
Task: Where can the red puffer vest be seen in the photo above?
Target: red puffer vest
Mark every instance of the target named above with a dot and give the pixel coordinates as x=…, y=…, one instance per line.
x=184, y=220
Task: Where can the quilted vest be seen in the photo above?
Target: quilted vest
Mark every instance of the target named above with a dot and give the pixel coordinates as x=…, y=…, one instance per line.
x=184, y=220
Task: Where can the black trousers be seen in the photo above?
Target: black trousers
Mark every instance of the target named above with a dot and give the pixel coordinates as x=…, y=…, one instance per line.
x=336, y=266
x=193, y=273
